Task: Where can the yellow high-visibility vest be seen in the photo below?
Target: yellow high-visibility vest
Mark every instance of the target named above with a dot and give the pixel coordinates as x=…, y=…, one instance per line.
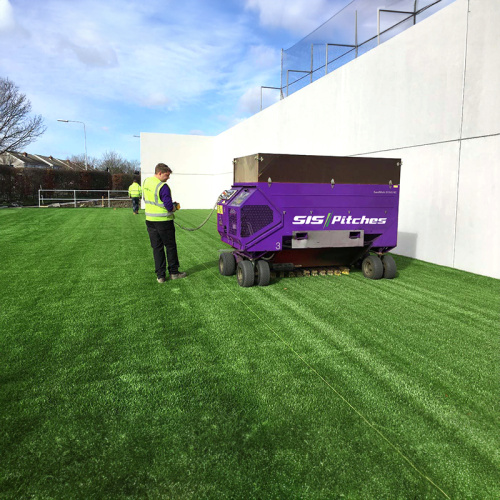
x=155, y=209
x=134, y=190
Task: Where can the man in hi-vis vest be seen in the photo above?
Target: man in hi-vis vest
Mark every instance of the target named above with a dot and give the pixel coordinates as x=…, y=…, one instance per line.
x=134, y=192
x=160, y=222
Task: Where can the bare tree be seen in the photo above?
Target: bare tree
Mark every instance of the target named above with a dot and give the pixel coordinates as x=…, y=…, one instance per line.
x=17, y=128
x=133, y=166
x=113, y=162
x=79, y=160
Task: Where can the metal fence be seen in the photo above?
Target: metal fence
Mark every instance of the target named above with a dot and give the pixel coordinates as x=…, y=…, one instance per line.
x=353, y=31
x=85, y=197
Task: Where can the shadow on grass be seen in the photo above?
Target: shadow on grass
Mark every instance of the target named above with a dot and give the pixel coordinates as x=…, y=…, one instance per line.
x=402, y=263
x=213, y=264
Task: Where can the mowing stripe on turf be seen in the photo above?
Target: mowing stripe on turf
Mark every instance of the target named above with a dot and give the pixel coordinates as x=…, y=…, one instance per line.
x=363, y=418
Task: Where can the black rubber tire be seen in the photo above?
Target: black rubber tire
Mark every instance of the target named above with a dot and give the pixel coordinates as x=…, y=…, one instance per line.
x=358, y=264
x=389, y=267
x=263, y=273
x=227, y=264
x=372, y=267
x=245, y=273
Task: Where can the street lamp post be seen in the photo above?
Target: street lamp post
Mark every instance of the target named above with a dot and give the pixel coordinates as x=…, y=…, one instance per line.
x=84, y=133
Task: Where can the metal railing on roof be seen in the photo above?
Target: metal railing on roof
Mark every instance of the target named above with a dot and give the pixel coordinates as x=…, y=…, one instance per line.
x=352, y=28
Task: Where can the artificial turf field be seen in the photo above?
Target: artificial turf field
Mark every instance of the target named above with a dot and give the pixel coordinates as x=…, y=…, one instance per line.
x=115, y=386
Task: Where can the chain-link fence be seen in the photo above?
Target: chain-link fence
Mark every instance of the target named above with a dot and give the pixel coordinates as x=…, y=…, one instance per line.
x=353, y=31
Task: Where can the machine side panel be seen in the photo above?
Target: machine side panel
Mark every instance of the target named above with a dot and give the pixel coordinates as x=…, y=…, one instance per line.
x=369, y=209
x=326, y=239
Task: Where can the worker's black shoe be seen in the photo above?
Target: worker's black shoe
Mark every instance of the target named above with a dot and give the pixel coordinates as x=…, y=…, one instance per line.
x=178, y=276
x=161, y=280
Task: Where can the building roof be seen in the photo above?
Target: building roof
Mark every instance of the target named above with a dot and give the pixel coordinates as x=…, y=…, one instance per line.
x=34, y=160
x=28, y=159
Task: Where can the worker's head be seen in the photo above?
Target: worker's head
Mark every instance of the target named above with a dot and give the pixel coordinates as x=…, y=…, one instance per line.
x=161, y=167
x=162, y=171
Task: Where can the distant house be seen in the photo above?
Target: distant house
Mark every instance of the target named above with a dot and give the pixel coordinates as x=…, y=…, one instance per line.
x=27, y=160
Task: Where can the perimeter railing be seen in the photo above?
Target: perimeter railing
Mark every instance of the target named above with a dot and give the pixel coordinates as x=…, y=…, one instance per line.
x=87, y=197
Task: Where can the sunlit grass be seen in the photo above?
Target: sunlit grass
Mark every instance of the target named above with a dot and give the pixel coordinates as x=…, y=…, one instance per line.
x=113, y=385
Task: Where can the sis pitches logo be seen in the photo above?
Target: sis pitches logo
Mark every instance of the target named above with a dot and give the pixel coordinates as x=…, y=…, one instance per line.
x=327, y=220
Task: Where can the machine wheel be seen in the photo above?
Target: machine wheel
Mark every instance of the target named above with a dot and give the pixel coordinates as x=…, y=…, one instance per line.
x=263, y=273
x=227, y=264
x=358, y=264
x=245, y=273
x=372, y=267
x=389, y=267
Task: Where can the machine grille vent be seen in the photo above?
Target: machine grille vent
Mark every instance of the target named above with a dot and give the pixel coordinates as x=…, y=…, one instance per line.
x=233, y=222
x=254, y=218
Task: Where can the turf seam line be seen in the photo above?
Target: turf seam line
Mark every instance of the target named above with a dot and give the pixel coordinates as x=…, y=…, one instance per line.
x=392, y=445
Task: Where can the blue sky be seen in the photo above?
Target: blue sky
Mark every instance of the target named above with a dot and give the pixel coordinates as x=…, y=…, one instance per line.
x=130, y=66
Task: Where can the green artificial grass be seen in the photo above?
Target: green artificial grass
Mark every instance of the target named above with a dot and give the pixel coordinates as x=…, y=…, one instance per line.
x=115, y=386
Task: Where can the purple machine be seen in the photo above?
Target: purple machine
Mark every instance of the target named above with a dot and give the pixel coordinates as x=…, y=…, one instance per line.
x=289, y=211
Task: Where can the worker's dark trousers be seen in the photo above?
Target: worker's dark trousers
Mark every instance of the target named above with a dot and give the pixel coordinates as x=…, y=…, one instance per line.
x=135, y=204
x=162, y=234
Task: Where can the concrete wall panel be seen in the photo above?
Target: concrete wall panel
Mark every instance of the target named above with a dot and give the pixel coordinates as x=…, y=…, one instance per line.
x=191, y=159
x=478, y=238
x=401, y=93
x=482, y=83
x=427, y=201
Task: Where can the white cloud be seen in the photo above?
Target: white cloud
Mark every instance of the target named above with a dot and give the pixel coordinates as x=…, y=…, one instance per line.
x=156, y=100
x=118, y=50
x=250, y=101
x=93, y=55
x=264, y=57
x=107, y=63
x=8, y=25
x=7, y=22
x=298, y=16
x=260, y=65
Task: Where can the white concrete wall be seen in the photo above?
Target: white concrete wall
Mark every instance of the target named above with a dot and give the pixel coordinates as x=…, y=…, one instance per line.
x=478, y=207
x=191, y=159
x=429, y=96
